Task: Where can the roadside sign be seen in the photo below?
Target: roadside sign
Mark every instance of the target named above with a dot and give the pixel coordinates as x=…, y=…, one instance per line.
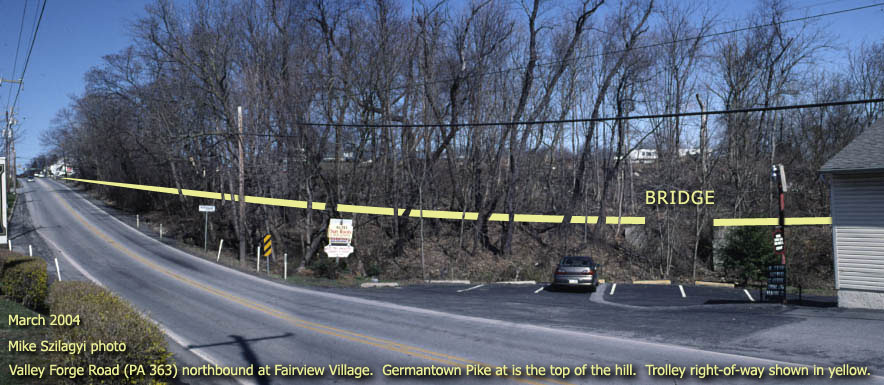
x=778, y=241
x=341, y=251
x=206, y=209
x=340, y=235
x=268, y=247
x=776, y=282
x=340, y=231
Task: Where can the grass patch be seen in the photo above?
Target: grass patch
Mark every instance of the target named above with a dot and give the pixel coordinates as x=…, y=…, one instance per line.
x=29, y=333
x=301, y=280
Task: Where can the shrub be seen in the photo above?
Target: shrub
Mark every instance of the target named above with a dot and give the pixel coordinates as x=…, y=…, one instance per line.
x=24, y=279
x=108, y=318
x=747, y=252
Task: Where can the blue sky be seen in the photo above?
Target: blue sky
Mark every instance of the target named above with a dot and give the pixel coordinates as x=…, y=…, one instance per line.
x=74, y=35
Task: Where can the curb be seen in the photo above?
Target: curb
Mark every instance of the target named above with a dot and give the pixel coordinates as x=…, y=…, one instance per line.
x=516, y=282
x=713, y=284
x=450, y=281
x=379, y=284
x=653, y=282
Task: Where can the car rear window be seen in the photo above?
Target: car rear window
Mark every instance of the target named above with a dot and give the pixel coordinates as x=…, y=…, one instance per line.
x=576, y=261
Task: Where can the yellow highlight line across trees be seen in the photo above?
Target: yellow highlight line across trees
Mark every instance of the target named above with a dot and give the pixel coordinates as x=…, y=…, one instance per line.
x=453, y=215
x=374, y=210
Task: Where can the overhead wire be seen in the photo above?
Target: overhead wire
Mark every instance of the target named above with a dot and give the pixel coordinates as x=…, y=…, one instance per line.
x=554, y=121
x=28, y=57
x=624, y=50
x=17, y=48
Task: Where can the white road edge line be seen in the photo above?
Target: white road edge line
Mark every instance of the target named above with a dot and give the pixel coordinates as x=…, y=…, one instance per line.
x=680, y=287
x=474, y=287
x=748, y=295
x=538, y=290
x=613, y=287
x=487, y=321
x=174, y=337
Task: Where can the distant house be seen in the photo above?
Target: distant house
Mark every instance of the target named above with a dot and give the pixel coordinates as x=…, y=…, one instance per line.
x=649, y=155
x=856, y=179
x=60, y=169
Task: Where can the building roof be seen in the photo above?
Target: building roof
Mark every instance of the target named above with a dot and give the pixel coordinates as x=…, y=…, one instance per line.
x=864, y=154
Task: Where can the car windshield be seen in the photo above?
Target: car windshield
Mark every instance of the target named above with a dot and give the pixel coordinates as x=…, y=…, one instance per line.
x=576, y=261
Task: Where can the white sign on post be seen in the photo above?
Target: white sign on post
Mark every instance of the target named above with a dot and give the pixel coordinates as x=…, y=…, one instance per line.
x=206, y=208
x=340, y=235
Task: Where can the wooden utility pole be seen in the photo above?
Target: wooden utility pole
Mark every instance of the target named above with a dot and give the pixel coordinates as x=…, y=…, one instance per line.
x=10, y=146
x=242, y=190
x=10, y=139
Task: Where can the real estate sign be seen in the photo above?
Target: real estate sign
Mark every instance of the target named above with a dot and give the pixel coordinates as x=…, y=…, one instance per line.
x=340, y=235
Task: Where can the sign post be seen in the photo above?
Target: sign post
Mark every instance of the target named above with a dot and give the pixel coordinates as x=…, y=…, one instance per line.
x=206, y=209
x=340, y=235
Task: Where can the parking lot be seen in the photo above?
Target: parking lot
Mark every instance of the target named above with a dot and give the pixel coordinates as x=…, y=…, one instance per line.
x=710, y=318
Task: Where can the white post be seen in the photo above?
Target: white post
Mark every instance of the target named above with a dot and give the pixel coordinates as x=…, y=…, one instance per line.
x=258, y=264
x=161, y=231
x=30, y=251
x=9, y=242
x=57, y=270
x=285, y=267
x=219, y=250
x=137, y=221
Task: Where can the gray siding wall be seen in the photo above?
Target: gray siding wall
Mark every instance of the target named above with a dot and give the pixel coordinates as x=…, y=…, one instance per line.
x=858, y=231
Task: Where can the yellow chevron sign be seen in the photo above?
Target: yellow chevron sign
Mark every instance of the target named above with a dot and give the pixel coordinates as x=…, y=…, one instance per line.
x=268, y=247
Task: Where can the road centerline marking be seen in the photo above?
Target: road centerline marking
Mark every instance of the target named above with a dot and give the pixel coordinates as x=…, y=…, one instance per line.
x=313, y=326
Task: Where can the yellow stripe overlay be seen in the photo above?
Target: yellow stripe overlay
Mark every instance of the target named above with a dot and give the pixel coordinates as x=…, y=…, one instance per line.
x=374, y=210
x=320, y=328
x=800, y=221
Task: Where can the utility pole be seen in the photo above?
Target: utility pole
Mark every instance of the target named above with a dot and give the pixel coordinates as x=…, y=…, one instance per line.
x=10, y=145
x=777, y=274
x=10, y=121
x=242, y=190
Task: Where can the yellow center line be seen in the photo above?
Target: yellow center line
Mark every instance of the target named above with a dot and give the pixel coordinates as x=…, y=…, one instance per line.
x=316, y=327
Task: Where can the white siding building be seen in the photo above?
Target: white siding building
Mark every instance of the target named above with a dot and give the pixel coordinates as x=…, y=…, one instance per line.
x=856, y=178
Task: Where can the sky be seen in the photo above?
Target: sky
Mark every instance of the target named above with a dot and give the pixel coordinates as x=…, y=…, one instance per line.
x=75, y=35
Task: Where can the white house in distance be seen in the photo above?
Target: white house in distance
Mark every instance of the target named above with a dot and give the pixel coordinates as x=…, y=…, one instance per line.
x=60, y=169
x=649, y=155
x=856, y=179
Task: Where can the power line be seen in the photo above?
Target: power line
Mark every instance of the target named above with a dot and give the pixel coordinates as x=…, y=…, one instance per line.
x=21, y=28
x=654, y=45
x=28, y=58
x=560, y=121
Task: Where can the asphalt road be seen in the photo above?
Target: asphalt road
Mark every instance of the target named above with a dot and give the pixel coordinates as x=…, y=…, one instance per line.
x=225, y=317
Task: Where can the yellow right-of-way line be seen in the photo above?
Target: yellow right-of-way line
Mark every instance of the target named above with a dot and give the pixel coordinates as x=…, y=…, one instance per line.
x=374, y=210
x=316, y=327
x=800, y=221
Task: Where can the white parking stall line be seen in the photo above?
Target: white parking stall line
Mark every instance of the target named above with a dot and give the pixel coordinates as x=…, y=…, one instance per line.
x=538, y=290
x=680, y=287
x=471, y=288
x=613, y=287
x=748, y=295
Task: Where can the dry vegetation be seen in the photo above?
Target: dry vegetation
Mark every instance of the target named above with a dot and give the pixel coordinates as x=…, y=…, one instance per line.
x=164, y=112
